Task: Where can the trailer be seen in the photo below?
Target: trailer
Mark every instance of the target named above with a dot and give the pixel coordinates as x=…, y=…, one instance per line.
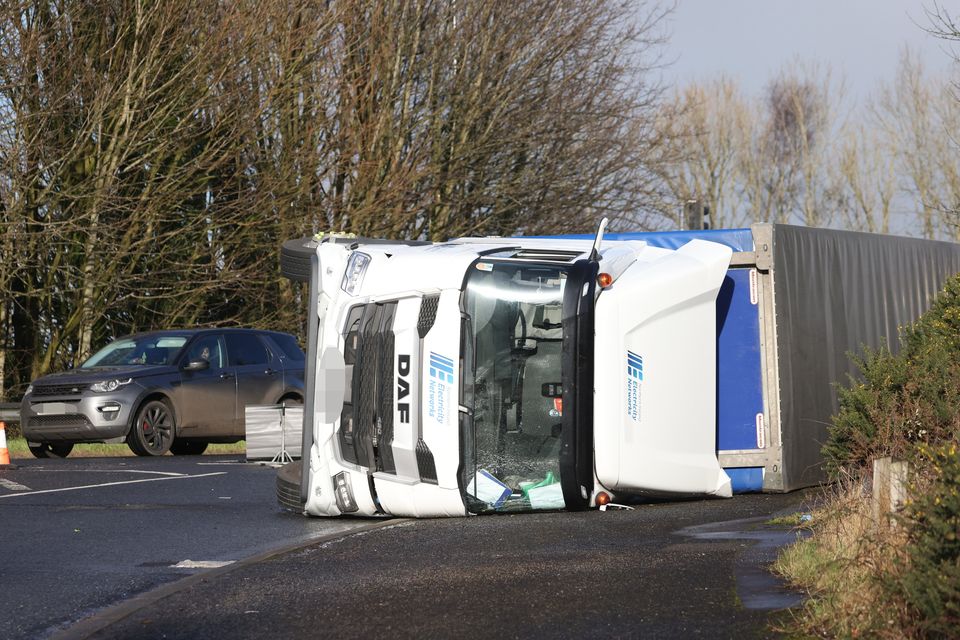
x=490, y=374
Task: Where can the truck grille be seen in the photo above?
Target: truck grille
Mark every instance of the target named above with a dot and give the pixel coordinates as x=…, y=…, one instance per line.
x=385, y=392
x=425, y=463
x=428, y=315
x=366, y=427
x=372, y=398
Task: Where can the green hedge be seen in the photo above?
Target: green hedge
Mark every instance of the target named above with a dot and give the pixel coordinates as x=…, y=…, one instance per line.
x=926, y=586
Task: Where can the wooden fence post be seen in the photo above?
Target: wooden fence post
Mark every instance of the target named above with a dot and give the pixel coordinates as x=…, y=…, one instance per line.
x=889, y=488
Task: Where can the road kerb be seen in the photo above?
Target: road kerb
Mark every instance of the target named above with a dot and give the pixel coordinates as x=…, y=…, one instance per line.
x=101, y=620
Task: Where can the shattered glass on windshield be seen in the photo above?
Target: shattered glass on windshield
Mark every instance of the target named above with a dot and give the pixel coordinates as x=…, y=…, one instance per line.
x=511, y=453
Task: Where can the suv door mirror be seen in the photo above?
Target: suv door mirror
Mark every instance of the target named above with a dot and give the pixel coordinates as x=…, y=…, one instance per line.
x=196, y=365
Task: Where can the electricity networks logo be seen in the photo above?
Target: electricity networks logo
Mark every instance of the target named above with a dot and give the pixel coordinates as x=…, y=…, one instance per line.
x=441, y=368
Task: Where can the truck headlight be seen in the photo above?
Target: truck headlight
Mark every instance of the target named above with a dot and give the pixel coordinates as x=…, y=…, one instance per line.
x=343, y=491
x=356, y=267
x=106, y=386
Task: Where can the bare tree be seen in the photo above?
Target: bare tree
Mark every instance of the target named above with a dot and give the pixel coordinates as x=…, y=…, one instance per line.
x=867, y=169
x=905, y=113
x=789, y=175
x=155, y=154
x=708, y=125
x=757, y=161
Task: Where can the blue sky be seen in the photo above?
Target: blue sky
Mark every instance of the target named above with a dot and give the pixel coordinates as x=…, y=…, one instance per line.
x=750, y=40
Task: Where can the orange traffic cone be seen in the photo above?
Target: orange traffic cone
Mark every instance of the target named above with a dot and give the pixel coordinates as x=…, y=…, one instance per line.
x=4, y=453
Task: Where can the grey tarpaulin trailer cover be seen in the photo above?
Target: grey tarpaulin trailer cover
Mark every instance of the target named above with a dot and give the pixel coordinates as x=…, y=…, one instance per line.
x=796, y=303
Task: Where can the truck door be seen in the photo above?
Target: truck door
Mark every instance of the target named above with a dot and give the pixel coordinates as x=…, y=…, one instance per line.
x=655, y=374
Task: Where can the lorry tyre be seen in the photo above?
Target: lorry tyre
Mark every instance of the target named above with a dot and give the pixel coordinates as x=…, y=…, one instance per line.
x=51, y=449
x=153, y=431
x=188, y=447
x=288, y=486
x=295, y=258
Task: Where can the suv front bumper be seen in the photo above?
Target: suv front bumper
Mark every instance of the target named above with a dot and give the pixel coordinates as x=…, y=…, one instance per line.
x=85, y=419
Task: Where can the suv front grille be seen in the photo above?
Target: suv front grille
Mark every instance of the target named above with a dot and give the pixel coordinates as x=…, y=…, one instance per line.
x=71, y=420
x=48, y=390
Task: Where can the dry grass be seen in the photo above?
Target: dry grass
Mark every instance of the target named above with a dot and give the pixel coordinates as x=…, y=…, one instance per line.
x=18, y=449
x=840, y=567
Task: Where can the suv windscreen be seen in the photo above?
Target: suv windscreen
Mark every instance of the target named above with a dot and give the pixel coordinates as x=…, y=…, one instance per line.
x=138, y=350
x=513, y=388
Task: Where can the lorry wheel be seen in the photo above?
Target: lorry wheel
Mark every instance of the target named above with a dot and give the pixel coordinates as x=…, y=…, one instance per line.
x=288, y=486
x=188, y=447
x=295, y=258
x=51, y=449
x=153, y=431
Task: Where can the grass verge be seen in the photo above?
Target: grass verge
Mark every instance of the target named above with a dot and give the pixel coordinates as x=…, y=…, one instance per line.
x=841, y=567
x=18, y=449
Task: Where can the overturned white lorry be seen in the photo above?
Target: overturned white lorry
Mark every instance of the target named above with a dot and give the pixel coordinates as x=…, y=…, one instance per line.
x=497, y=374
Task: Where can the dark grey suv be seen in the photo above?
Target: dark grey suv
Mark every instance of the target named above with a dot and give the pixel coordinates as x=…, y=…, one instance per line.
x=163, y=391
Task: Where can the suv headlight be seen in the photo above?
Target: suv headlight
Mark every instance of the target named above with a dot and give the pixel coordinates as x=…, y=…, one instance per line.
x=356, y=267
x=107, y=386
x=29, y=390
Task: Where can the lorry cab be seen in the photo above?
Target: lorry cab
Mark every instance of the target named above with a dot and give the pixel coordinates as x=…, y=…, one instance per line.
x=498, y=374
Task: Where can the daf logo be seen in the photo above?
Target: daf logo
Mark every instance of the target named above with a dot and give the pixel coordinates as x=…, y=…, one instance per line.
x=403, y=387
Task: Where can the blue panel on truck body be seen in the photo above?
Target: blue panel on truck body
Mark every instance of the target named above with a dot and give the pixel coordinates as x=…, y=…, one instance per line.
x=739, y=380
x=746, y=479
x=736, y=239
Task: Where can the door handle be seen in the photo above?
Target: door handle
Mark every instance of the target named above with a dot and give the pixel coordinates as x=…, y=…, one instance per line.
x=226, y=376
x=270, y=371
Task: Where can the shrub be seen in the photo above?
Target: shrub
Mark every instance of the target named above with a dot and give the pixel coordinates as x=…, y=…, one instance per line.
x=927, y=582
x=903, y=581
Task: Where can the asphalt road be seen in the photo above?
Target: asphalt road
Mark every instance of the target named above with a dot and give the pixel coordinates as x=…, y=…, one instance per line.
x=81, y=534
x=670, y=570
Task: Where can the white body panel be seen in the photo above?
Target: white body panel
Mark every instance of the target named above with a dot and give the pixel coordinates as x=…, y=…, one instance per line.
x=655, y=375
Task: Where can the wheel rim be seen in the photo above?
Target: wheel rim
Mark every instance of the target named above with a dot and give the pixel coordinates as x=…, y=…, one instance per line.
x=156, y=428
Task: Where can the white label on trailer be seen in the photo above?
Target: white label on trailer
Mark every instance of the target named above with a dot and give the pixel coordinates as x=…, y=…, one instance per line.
x=754, y=294
x=761, y=442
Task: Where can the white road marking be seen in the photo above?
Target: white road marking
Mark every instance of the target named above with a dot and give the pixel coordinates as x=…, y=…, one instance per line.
x=155, y=473
x=13, y=486
x=202, y=564
x=109, y=484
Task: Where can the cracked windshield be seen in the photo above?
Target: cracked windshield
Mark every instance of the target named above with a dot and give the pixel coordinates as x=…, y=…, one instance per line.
x=511, y=454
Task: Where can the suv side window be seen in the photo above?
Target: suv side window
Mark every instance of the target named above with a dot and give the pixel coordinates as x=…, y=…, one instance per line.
x=288, y=344
x=245, y=349
x=207, y=348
